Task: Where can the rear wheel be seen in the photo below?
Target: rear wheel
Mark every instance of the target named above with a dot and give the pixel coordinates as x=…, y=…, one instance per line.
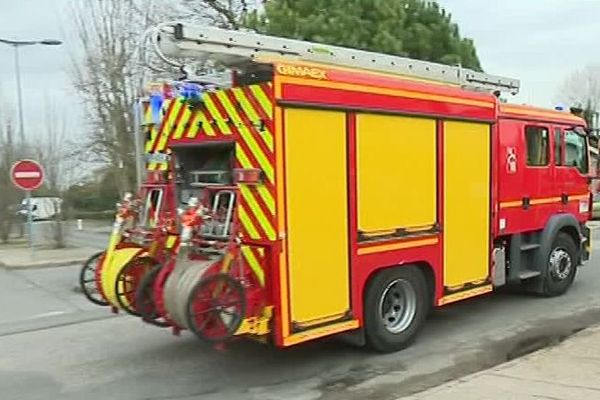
x=561, y=267
x=127, y=282
x=216, y=308
x=396, y=305
x=88, y=282
x=144, y=299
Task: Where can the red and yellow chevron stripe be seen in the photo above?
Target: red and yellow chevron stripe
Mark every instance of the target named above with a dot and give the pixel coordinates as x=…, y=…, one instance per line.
x=244, y=114
x=255, y=258
x=173, y=111
x=150, y=130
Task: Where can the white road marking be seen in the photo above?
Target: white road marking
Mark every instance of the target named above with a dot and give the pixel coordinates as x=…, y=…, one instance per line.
x=48, y=314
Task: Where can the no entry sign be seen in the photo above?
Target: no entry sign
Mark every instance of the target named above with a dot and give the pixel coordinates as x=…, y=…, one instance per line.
x=27, y=175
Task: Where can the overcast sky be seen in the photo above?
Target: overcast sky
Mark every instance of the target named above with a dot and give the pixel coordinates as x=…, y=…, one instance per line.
x=539, y=42
x=44, y=69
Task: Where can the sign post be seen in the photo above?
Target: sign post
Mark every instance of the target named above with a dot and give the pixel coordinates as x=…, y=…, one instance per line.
x=29, y=219
x=27, y=175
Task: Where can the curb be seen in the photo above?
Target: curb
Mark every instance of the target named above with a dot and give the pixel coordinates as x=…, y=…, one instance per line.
x=45, y=265
x=492, y=352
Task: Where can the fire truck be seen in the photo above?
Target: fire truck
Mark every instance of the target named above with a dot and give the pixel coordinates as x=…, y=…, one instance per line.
x=368, y=189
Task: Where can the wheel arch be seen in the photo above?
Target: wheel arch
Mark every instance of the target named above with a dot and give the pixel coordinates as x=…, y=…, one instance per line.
x=566, y=223
x=372, y=333
x=561, y=223
x=573, y=232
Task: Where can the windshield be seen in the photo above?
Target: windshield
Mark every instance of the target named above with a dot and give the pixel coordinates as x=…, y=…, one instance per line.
x=576, y=151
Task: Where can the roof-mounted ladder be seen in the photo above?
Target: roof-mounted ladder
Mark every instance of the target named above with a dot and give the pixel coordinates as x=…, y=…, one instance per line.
x=235, y=49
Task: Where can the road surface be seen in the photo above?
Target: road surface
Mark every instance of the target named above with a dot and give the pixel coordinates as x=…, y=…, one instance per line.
x=37, y=298
x=120, y=358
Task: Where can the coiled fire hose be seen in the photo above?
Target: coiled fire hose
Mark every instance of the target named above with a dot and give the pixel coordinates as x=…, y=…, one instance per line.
x=186, y=273
x=179, y=287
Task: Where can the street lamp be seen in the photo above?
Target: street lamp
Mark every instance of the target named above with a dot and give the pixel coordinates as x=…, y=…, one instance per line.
x=16, y=44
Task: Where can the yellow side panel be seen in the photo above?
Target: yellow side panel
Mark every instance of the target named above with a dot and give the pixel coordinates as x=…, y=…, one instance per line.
x=114, y=263
x=317, y=215
x=396, y=172
x=467, y=202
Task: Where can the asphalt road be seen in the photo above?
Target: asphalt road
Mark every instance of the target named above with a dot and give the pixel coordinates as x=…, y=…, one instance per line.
x=34, y=299
x=121, y=358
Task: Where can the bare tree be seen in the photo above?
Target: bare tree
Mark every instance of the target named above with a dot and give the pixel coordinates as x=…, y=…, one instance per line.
x=54, y=151
x=108, y=79
x=52, y=147
x=227, y=14
x=582, y=89
x=9, y=153
x=109, y=71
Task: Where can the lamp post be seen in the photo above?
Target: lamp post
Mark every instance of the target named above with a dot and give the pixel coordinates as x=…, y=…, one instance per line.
x=16, y=44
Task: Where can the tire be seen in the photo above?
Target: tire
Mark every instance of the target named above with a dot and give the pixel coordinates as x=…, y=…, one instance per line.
x=128, y=303
x=144, y=298
x=396, y=305
x=561, y=266
x=92, y=294
x=209, y=324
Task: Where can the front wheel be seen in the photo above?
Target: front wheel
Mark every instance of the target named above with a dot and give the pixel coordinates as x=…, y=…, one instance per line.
x=396, y=305
x=562, y=266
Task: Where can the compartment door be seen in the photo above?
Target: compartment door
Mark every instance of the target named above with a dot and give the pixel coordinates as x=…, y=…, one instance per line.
x=466, y=203
x=317, y=216
x=396, y=174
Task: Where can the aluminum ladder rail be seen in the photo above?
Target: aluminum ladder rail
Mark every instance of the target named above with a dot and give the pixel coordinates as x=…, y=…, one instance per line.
x=236, y=49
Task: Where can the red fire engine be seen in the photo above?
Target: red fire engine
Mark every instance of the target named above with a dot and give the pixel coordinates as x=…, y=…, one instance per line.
x=370, y=188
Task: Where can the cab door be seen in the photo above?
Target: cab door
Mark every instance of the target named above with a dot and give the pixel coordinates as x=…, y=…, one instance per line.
x=560, y=172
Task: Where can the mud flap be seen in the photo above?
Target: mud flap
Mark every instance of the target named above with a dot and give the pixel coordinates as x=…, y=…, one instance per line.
x=586, y=244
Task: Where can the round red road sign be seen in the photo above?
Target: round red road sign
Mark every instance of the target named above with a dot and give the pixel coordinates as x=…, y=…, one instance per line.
x=27, y=174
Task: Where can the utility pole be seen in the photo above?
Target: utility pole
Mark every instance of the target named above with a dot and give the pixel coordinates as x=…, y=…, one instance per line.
x=16, y=44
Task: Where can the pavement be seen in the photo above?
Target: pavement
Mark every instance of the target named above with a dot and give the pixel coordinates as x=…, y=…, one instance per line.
x=23, y=257
x=80, y=245
x=568, y=371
